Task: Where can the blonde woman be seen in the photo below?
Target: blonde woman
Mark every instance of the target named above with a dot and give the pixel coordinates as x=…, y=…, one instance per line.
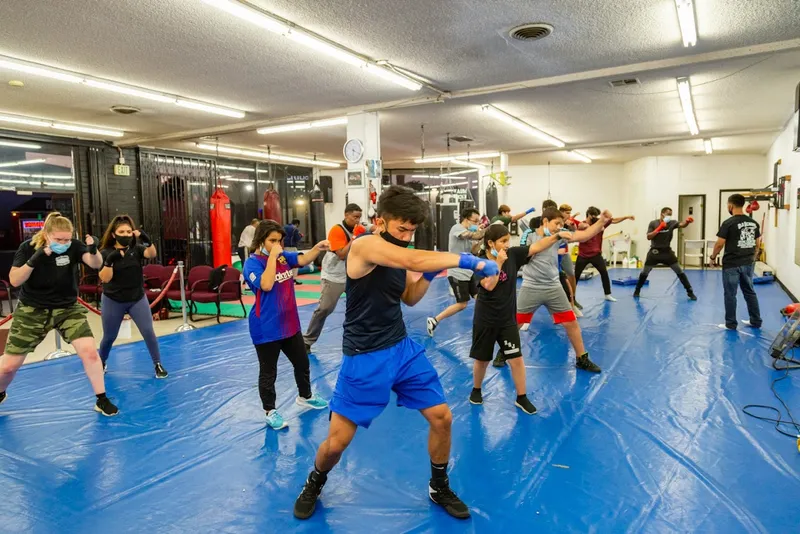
x=45, y=269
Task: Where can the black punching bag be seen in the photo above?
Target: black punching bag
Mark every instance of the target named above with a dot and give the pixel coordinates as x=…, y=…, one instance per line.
x=318, y=231
x=491, y=200
x=423, y=237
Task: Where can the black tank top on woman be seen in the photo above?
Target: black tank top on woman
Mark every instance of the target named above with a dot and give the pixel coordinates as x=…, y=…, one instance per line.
x=373, y=318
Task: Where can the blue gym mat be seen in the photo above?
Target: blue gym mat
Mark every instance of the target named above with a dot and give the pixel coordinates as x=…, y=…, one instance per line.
x=657, y=443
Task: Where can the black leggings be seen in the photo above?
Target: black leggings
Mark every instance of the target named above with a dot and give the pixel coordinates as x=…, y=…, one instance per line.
x=268, y=354
x=599, y=264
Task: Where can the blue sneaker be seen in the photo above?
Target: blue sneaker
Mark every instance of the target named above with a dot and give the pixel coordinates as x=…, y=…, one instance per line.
x=275, y=421
x=315, y=402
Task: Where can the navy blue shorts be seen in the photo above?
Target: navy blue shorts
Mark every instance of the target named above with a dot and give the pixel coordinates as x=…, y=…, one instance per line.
x=366, y=380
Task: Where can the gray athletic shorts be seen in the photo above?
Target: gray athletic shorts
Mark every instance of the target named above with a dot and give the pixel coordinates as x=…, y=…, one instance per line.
x=567, y=265
x=550, y=296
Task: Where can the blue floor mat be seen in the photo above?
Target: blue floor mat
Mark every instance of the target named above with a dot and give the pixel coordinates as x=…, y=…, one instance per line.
x=656, y=443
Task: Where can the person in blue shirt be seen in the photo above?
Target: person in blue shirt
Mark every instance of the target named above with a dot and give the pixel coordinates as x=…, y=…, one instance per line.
x=292, y=241
x=274, y=321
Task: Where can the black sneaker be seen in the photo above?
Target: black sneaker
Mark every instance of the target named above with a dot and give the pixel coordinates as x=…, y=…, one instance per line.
x=160, y=371
x=106, y=407
x=691, y=295
x=3, y=397
x=306, y=502
x=499, y=359
x=524, y=404
x=298, y=282
x=583, y=362
x=476, y=397
x=442, y=495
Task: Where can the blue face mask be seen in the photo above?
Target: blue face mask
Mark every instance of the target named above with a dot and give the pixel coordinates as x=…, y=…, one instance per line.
x=60, y=248
x=494, y=253
x=547, y=231
x=264, y=251
x=473, y=228
x=667, y=218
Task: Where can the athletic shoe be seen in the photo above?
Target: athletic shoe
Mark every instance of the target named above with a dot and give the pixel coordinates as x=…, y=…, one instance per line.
x=432, y=323
x=609, y=298
x=578, y=313
x=160, y=371
x=306, y=502
x=524, y=404
x=636, y=294
x=3, y=397
x=691, y=295
x=583, y=362
x=751, y=325
x=476, y=397
x=275, y=421
x=524, y=327
x=315, y=402
x=441, y=494
x=726, y=327
x=499, y=359
x=298, y=282
x=578, y=305
x=105, y=407
x=105, y=367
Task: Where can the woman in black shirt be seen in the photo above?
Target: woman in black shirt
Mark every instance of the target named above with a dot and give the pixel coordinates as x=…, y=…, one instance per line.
x=123, y=287
x=45, y=269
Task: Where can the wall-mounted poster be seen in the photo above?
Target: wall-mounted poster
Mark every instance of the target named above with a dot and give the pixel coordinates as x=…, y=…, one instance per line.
x=355, y=179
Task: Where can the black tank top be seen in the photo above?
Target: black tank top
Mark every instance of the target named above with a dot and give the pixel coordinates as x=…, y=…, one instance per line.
x=373, y=318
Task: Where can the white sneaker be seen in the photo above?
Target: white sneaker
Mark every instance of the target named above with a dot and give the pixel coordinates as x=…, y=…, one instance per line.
x=432, y=323
x=524, y=327
x=578, y=313
x=609, y=298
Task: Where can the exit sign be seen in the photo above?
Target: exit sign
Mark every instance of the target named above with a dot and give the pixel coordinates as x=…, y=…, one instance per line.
x=122, y=170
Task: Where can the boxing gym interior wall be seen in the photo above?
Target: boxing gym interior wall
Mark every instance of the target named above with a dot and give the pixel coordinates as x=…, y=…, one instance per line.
x=781, y=238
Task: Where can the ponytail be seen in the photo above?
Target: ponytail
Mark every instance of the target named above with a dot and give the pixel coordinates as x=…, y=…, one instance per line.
x=55, y=222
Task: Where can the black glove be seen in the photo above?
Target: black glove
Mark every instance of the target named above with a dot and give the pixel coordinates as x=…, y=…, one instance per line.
x=112, y=258
x=144, y=238
x=92, y=249
x=37, y=258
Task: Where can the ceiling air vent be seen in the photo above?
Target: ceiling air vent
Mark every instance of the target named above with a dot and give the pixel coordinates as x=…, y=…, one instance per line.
x=624, y=82
x=531, y=32
x=461, y=138
x=125, y=110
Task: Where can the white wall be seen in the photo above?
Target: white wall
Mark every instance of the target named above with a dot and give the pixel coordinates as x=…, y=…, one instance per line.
x=650, y=184
x=780, y=241
x=334, y=211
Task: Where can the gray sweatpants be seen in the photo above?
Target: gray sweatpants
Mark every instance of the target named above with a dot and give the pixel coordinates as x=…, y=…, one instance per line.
x=328, y=298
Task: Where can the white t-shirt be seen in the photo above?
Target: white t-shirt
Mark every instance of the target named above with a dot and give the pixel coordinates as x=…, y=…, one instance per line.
x=246, y=239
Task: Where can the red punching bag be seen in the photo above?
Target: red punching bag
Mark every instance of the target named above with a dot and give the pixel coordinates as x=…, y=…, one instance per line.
x=220, y=212
x=272, y=205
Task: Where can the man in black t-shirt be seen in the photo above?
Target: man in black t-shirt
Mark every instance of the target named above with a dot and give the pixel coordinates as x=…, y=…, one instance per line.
x=740, y=235
x=659, y=233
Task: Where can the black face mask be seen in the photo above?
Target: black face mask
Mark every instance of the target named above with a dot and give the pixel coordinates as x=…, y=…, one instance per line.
x=393, y=240
x=595, y=219
x=124, y=240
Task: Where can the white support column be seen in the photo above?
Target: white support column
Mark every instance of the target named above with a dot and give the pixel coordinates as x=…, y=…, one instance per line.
x=365, y=127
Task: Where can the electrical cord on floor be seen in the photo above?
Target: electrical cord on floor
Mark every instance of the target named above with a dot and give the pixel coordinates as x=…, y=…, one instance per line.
x=791, y=365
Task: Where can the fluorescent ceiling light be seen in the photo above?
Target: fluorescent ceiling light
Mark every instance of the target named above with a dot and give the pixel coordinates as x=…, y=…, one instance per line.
x=476, y=155
x=583, y=157
x=236, y=168
x=27, y=122
x=59, y=184
x=107, y=85
x=4, y=181
x=266, y=155
x=302, y=126
x=23, y=162
x=28, y=175
x=460, y=172
x=687, y=22
x=521, y=125
x=60, y=126
x=274, y=24
x=708, y=146
x=685, y=93
x=16, y=144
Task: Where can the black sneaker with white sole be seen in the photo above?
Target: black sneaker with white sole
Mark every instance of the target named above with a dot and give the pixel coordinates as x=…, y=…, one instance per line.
x=430, y=324
x=524, y=404
x=3, y=397
x=583, y=362
x=160, y=371
x=105, y=407
x=441, y=494
x=306, y=502
x=476, y=397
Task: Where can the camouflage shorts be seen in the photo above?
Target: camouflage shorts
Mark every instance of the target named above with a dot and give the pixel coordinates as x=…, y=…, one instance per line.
x=31, y=326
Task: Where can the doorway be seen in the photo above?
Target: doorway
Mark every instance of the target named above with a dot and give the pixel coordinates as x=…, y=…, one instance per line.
x=692, y=206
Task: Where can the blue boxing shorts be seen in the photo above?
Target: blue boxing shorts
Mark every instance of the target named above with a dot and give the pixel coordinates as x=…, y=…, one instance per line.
x=366, y=380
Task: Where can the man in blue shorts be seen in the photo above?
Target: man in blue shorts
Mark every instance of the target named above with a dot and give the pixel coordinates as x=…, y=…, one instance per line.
x=379, y=357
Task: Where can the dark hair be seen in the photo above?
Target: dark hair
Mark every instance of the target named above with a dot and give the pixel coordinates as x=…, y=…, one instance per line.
x=493, y=233
x=401, y=203
x=109, y=240
x=737, y=200
x=664, y=210
x=549, y=204
x=296, y=222
x=350, y=208
x=263, y=231
x=593, y=212
x=551, y=213
x=466, y=213
x=503, y=209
